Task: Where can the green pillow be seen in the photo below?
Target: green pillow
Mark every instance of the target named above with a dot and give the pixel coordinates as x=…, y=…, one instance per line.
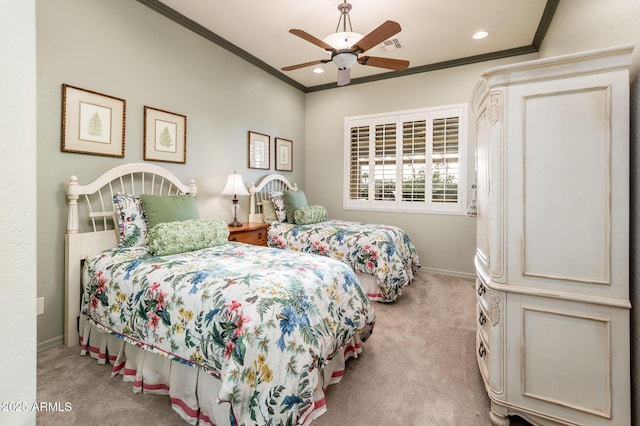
x=310, y=214
x=168, y=208
x=186, y=235
x=293, y=200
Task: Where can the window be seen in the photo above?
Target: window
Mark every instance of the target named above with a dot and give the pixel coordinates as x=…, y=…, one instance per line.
x=406, y=161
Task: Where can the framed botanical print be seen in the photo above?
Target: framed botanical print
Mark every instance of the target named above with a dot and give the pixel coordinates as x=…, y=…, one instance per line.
x=258, y=150
x=92, y=122
x=165, y=136
x=284, y=154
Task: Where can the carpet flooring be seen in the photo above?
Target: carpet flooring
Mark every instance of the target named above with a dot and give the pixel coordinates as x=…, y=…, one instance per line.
x=418, y=368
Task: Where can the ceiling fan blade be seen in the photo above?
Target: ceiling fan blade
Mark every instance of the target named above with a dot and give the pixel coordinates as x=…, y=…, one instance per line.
x=306, y=64
x=377, y=36
x=311, y=39
x=344, y=76
x=392, y=64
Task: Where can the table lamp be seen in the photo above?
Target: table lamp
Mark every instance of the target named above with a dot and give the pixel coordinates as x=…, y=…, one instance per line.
x=235, y=186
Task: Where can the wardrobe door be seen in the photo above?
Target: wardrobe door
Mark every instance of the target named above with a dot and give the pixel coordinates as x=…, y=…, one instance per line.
x=567, y=186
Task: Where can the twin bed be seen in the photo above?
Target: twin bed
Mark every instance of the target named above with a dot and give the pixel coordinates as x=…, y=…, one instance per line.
x=233, y=333
x=383, y=256
x=263, y=331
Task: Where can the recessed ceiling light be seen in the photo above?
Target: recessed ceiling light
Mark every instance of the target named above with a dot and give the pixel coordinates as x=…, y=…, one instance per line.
x=480, y=34
x=318, y=70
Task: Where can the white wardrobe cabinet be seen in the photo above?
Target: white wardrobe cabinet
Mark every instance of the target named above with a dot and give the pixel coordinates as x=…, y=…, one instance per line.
x=552, y=259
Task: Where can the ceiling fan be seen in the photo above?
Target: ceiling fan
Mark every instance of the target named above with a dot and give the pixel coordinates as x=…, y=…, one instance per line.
x=345, y=46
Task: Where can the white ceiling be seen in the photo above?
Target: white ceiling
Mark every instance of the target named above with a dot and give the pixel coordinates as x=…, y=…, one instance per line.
x=433, y=31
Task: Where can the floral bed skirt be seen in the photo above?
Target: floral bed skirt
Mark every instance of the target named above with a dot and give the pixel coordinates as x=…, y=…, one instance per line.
x=371, y=285
x=193, y=392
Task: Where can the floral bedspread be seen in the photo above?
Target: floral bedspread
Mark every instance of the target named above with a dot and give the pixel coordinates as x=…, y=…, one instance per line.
x=261, y=320
x=383, y=251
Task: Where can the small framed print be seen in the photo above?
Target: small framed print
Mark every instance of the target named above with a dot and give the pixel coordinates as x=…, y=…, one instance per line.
x=92, y=122
x=284, y=155
x=259, y=146
x=165, y=136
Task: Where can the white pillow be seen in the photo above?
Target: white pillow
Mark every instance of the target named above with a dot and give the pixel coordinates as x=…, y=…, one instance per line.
x=268, y=212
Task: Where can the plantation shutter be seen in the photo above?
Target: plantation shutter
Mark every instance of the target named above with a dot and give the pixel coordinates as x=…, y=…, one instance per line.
x=445, y=160
x=359, y=163
x=385, y=162
x=414, y=160
x=411, y=161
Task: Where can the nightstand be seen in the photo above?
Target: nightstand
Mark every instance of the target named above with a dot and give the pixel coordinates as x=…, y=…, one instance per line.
x=249, y=233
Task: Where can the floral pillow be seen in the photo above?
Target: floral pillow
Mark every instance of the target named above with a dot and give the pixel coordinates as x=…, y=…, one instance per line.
x=129, y=215
x=186, y=235
x=277, y=198
x=310, y=214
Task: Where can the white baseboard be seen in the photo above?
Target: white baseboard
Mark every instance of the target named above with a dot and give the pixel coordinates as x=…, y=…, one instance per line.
x=51, y=343
x=471, y=276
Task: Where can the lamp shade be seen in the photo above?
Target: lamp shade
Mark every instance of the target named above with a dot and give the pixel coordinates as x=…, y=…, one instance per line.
x=235, y=185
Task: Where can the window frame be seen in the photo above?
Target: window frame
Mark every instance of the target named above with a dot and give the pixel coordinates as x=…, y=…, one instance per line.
x=399, y=118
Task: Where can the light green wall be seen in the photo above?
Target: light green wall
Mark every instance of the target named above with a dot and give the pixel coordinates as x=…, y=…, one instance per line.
x=18, y=211
x=444, y=242
x=124, y=49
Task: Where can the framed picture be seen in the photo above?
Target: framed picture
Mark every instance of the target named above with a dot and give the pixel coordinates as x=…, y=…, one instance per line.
x=92, y=122
x=165, y=136
x=284, y=155
x=259, y=146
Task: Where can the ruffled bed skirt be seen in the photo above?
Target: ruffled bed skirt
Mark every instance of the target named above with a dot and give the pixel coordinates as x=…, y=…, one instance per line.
x=192, y=391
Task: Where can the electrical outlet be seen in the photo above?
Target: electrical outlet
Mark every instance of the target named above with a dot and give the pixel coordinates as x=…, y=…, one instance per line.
x=40, y=306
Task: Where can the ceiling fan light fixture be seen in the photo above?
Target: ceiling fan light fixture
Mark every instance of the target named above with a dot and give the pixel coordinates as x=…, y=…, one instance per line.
x=344, y=60
x=342, y=40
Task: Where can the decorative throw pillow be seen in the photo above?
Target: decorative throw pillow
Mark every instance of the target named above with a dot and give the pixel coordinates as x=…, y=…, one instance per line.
x=186, y=235
x=168, y=208
x=293, y=200
x=310, y=214
x=268, y=212
x=277, y=198
x=129, y=215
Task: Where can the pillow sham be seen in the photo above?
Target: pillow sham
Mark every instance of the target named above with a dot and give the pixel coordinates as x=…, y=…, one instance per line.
x=130, y=220
x=310, y=214
x=268, y=212
x=168, y=208
x=277, y=198
x=293, y=200
x=186, y=235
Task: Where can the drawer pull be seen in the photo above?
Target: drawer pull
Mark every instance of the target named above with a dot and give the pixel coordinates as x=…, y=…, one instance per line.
x=482, y=318
x=259, y=235
x=481, y=289
x=481, y=350
x=233, y=239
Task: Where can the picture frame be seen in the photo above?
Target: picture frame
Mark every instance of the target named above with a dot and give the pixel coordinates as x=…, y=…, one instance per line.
x=92, y=122
x=165, y=136
x=259, y=146
x=284, y=154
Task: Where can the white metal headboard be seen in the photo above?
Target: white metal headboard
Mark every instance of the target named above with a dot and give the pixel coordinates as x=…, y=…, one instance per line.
x=260, y=193
x=90, y=224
